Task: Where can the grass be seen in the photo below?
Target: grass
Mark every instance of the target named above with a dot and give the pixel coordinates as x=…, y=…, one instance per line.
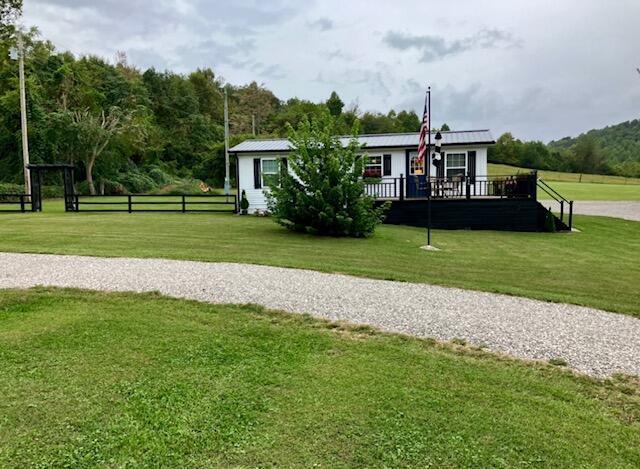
x=599, y=267
x=575, y=186
x=503, y=169
x=594, y=191
x=94, y=379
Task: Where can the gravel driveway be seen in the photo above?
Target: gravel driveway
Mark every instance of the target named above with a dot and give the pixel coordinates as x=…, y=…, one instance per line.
x=627, y=209
x=592, y=341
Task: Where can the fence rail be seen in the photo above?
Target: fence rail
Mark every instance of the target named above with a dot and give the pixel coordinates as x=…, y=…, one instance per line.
x=16, y=202
x=511, y=186
x=165, y=203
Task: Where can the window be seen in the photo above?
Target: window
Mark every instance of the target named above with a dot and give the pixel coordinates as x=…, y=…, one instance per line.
x=416, y=168
x=456, y=165
x=373, y=168
x=269, y=172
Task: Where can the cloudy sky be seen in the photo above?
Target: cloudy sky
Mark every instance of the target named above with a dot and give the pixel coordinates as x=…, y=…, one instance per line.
x=542, y=69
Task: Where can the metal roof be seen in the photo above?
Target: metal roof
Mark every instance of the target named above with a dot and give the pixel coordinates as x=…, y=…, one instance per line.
x=406, y=140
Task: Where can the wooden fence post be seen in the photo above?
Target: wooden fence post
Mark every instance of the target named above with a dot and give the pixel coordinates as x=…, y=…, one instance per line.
x=129, y=202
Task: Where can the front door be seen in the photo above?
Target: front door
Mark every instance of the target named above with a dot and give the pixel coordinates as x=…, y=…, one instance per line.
x=416, y=176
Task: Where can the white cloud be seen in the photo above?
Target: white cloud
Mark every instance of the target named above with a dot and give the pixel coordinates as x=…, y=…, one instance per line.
x=573, y=67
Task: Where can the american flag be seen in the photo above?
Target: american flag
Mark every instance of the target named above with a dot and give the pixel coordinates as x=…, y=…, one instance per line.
x=424, y=133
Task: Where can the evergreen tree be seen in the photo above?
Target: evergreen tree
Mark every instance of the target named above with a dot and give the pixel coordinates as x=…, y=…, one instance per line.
x=327, y=195
x=335, y=104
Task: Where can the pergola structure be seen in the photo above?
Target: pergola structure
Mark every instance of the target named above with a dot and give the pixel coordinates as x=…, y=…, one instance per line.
x=36, y=172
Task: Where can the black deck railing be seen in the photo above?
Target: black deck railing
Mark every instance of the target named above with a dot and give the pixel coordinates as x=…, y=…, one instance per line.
x=16, y=202
x=155, y=203
x=460, y=187
x=562, y=201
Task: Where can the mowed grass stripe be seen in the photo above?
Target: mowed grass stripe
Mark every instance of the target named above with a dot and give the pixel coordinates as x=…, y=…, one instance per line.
x=574, y=186
x=122, y=379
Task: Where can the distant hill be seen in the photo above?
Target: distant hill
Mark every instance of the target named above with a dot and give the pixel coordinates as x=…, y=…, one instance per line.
x=620, y=143
x=614, y=150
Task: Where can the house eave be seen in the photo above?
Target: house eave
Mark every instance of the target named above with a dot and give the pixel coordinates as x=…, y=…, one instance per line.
x=390, y=147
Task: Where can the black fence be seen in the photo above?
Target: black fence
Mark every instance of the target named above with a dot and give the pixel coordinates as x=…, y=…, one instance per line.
x=516, y=186
x=15, y=203
x=130, y=203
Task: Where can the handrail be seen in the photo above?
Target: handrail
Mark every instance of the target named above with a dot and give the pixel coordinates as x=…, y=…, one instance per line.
x=462, y=186
x=555, y=195
x=544, y=186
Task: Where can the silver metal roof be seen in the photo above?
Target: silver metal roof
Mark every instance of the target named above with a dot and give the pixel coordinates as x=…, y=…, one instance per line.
x=408, y=140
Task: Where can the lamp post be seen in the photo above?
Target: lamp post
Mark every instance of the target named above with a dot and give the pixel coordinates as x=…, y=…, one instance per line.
x=436, y=157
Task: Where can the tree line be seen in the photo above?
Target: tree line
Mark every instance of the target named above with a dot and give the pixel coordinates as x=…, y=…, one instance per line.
x=134, y=130
x=587, y=153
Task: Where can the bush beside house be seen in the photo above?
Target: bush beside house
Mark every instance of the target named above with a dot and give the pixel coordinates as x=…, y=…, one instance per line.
x=327, y=194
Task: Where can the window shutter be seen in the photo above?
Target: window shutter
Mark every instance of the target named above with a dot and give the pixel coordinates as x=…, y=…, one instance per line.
x=471, y=164
x=386, y=165
x=257, y=179
x=284, y=164
x=440, y=167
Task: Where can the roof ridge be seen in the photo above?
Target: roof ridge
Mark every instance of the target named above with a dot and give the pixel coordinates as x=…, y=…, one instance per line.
x=387, y=134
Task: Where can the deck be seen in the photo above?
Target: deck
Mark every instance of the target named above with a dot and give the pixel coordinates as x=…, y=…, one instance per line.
x=463, y=187
x=480, y=202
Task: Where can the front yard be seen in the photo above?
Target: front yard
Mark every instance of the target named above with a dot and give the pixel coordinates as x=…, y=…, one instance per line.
x=139, y=380
x=599, y=267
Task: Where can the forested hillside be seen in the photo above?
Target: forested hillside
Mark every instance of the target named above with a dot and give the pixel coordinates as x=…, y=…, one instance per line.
x=619, y=143
x=612, y=150
x=135, y=130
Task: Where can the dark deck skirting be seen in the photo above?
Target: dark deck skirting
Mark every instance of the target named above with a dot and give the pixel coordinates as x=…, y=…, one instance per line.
x=475, y=214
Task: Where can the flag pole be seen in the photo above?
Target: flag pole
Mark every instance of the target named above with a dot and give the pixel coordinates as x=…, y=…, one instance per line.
x=427, y=162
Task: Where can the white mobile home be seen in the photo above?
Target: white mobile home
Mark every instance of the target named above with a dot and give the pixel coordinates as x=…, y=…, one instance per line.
x=392, y=162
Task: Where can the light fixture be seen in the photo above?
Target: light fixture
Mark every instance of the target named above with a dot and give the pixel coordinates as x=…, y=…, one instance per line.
x=437, y=155
x=438, y=141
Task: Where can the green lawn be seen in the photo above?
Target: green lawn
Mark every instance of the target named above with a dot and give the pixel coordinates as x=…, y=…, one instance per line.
x=594, y=191
x=503, y=169
x=598, y=267
x=93, y=379
x=575, y=186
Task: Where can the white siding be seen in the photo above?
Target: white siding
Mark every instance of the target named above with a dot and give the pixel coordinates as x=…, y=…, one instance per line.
x=481, y=161
x=257, y=198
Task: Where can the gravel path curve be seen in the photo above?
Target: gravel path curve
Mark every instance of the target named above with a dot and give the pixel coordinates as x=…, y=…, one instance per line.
x=595, y=342
x=627, y=209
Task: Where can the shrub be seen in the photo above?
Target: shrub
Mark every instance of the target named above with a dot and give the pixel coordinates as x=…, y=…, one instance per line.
x=184, y=187
x=160, y=177
x=327, y=196
x=244, y=203
x=137, y=183
x=550, y=222
x=9, y=188
x=52, y=192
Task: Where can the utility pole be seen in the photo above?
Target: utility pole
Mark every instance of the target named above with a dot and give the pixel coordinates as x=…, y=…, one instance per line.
x=19, y=54
x=253, y=124
x=227, y=181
